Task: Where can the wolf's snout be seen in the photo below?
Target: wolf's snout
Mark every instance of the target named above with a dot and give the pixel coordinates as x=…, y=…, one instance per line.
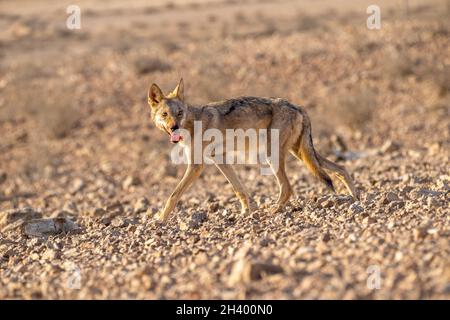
x=175, y=137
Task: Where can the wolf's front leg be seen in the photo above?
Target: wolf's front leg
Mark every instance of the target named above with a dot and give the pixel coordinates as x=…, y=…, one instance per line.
x=193, y=171
x=239, y=189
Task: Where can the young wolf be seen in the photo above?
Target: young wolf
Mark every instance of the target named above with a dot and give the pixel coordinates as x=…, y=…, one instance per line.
x=170, y=113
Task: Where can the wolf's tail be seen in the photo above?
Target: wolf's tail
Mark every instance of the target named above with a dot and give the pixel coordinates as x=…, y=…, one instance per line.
x=308, y=154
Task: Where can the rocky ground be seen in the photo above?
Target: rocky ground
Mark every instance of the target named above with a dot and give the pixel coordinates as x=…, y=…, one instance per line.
x=78, y=150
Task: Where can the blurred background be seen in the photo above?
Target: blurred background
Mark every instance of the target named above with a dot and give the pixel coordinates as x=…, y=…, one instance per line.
x=75, y=128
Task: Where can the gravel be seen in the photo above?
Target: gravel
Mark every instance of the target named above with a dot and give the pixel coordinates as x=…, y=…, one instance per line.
x=77, y=212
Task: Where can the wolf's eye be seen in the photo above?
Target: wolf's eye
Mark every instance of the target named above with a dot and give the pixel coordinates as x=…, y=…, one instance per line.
x=180, y=113
x=164, y=114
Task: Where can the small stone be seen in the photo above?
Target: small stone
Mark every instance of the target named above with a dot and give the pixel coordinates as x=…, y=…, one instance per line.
x=76, y=186
x=131, y=181
x=51, y=254
x=258, y=270
x=197, y=219
x=34, y=242
x=46, y=227
x=391, y=197
x=114, y=209
x=398, y=256
x=118, y=222
x=97, y=212
x=141, y=205
x=3, y=177
x=343, y=199
x=420, y=233
x=151, y=212
x=433, y=202
x=389, y=146
x=395, y=206
x=54, y=245
x=183, y=226
x=356, y=208
x=70, y=207
x=201, y=258
x=246, y=271
x=264, y=242
x=369, y=220
x=61, y=214
x=255, y=215
x=106, y=221
x=326, y=237
x=327, y=204
x=35, y=256
x=14, y=218
x=6, y=253
x=213, y=207
x=434, y=148
x=426, y=193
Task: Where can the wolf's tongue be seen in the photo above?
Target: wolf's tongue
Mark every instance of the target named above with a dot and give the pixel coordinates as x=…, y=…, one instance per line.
x=175, y=137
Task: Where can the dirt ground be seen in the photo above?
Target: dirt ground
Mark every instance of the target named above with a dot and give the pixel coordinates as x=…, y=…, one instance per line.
x=76, y=142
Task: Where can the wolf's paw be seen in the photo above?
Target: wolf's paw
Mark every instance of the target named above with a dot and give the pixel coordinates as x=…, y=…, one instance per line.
x=160, y=218
x=276, y=208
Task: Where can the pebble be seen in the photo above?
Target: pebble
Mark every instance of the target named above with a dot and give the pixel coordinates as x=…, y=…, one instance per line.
x=119, y=222
x=76, y=186
x=14, y=218
x=355, y=208
x=46, y=227
x=141, y=205
x=130, y=181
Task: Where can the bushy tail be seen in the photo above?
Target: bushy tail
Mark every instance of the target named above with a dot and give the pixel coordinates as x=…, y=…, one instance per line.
x=309, y=156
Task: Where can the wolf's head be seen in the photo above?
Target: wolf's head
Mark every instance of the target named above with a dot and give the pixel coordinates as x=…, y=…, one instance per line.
x=168, y=112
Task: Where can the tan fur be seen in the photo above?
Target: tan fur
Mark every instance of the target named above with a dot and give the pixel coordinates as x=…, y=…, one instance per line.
x=309, y=156
x=169, y=112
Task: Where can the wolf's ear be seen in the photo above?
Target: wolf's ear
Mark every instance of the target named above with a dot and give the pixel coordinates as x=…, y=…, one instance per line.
x=178, y=92
x=155, y=95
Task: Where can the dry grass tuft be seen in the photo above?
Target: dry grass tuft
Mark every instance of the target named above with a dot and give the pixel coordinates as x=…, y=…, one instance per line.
x=306, y=22
x=442, y=28
x=400, y=63
x=145, y=64
x=441, y=79
x=169, y=45
x=55, y=111
x=362, y=44
x=240, y=17
x=354, y=109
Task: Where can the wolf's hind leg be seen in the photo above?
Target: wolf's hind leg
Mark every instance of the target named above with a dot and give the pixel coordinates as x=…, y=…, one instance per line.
x=229, y=173
x=278, y=165
x=283, y=182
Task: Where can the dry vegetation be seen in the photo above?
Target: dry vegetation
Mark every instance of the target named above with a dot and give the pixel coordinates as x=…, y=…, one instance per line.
x=76, y=142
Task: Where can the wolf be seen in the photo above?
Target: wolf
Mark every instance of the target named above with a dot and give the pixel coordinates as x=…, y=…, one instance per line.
x=171, y=114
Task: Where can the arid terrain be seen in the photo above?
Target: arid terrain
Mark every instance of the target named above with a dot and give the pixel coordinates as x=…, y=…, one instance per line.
x=77, y=143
